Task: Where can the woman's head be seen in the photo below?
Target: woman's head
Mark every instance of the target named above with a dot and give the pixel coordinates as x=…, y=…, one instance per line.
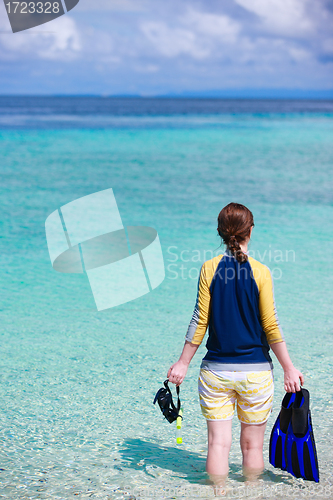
x=234, y=226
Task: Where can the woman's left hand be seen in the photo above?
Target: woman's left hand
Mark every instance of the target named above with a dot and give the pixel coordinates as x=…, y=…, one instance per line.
x=292, y=379
x=177, y=372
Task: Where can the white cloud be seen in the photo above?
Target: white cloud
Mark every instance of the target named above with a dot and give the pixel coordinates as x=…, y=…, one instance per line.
x=216, y=26
x=286, y=17
x=146, y=68
x=66, y=42
x=62, y=42
x=113, y=5
x=172, y=42
x=298, y=53
x=195, y=34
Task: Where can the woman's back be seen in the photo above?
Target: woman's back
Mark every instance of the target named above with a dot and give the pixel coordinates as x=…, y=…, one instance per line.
x=236, y=301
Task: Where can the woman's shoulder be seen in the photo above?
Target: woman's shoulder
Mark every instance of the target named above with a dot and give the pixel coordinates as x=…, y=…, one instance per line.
x=209, y=266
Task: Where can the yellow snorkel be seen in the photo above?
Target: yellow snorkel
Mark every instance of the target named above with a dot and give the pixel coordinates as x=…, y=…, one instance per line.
x=179, y=439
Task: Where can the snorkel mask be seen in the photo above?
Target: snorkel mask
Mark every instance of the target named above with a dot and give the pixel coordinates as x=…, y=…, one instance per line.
x=164, y=399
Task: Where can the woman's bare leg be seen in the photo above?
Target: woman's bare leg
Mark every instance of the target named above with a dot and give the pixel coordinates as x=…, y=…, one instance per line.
x=252, y=441
x=219, y=443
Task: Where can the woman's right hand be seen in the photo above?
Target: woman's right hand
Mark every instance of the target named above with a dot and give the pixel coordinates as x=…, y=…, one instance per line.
x=177, y=372
x=292, y=376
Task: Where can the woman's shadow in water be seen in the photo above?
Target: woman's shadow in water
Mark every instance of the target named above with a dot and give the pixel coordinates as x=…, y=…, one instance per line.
x=138, y=454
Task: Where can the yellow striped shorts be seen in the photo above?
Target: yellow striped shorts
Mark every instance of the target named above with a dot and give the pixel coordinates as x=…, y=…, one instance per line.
x=219, y=391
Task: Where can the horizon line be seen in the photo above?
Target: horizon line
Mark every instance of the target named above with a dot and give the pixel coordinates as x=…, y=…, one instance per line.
x=283, y=95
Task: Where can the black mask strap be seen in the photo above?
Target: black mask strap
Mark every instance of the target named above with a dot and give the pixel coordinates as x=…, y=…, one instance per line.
x=166, y=385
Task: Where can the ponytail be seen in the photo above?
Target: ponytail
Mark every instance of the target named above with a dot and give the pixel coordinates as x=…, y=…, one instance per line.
x=234, y=225
x=236, y=250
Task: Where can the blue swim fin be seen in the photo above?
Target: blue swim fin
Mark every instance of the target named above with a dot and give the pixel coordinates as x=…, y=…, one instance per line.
x=279, y=432
x=300, y=448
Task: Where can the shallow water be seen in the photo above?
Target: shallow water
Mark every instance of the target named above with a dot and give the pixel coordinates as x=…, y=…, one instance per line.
x=77, y=419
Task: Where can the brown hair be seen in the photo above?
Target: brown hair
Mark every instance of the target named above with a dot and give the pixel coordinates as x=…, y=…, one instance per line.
x=234, y=225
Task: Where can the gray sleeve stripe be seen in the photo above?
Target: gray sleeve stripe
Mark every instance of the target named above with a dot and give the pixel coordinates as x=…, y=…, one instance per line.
x=193, y=323
x=195, y=316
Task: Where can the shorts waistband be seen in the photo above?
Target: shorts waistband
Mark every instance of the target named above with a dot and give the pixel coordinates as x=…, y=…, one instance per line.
x=236, y=367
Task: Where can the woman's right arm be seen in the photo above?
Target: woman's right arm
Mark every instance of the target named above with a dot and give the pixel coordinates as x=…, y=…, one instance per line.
x=178, y=370
x=196, y=330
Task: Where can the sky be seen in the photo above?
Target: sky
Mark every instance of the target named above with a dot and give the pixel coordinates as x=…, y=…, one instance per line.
x=154, y=47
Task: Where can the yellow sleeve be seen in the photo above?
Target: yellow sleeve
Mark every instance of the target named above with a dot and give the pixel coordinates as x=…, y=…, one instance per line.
x=200, y=318
x=267, y=309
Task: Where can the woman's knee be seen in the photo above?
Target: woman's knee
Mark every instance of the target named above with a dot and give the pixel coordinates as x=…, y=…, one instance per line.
x=221, y=444
x=219, y=434
x=248, y=444
x=252, y=437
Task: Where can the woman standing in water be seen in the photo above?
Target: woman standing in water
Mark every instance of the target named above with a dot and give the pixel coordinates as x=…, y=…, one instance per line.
x=236, y=300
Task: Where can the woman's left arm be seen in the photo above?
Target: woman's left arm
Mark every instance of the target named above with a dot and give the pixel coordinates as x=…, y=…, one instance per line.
x=178, y=370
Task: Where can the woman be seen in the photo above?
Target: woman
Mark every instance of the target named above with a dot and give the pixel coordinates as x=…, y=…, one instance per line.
x=236, y=300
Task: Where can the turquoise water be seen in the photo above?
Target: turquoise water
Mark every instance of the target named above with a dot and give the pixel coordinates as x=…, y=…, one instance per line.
x=77, y=419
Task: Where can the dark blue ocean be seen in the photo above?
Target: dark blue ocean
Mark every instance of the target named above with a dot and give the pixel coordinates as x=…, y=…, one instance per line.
x=77, y=419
